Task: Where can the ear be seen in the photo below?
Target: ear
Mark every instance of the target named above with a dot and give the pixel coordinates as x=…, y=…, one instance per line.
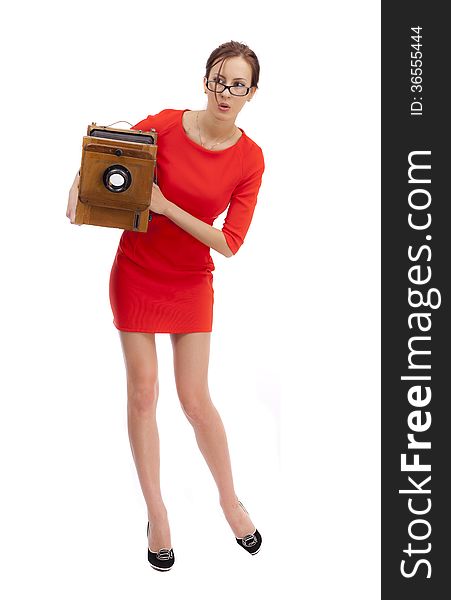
x=251, y=94
x=205, y=84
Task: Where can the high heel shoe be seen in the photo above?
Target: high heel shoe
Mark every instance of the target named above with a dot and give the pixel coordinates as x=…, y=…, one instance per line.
x=252, y=541
x=162, y=560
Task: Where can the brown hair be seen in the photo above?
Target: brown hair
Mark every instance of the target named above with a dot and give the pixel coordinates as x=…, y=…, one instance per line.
x=229, y=49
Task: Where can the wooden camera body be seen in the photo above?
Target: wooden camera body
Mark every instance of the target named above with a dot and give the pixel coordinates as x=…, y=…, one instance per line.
x=116, y=177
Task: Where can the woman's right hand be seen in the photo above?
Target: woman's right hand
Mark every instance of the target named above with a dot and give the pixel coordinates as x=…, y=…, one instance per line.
x=72, y=201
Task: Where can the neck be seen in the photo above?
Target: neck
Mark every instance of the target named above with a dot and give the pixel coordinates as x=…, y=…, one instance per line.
x=214, y=128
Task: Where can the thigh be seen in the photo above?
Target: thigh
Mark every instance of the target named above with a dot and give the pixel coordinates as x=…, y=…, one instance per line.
x=191, y=358
x=140, y=358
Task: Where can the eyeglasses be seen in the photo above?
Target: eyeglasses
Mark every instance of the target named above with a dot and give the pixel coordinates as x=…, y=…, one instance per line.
x=235, y=90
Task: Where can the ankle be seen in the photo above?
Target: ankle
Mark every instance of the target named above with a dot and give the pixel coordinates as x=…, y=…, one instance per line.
x=157, y=513
x=229, y=503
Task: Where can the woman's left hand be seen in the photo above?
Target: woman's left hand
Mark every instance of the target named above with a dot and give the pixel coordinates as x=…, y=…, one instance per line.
x=158, y=203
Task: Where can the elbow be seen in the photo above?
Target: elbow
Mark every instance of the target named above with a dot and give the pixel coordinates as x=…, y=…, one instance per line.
x=231, y=250
x=227, y=252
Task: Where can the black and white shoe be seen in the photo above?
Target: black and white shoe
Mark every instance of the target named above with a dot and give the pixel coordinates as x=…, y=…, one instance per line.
x=252, y=541
x=162, y=560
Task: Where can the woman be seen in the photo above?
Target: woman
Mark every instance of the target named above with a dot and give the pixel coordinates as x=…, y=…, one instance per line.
x=162, y=282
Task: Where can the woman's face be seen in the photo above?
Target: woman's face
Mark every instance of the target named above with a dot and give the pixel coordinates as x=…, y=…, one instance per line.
x=235, y=71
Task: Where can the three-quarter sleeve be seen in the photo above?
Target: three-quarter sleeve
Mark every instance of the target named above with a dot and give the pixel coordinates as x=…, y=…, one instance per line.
x=242, y=204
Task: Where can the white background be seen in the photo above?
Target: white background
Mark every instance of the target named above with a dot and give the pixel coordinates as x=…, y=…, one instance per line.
x=294, y=367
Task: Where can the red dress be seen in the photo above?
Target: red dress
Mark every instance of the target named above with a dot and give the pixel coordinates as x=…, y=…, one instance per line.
x=161, y=281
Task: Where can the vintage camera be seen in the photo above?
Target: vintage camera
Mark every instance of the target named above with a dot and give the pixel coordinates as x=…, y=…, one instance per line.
x=116, y=177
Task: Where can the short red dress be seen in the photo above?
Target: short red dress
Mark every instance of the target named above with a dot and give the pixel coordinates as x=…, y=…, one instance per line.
x=161, y=281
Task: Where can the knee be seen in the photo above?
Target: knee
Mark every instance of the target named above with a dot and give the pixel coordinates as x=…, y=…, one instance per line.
x=196, y=406
x=143, y=396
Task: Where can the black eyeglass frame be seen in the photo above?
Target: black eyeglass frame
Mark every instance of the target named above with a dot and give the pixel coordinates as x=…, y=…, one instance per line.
x=228, y=87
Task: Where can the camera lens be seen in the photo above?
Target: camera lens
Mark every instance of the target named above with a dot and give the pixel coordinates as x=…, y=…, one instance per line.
x=117, y=178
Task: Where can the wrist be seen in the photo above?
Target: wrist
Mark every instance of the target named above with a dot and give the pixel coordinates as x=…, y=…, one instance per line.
x=168, y=206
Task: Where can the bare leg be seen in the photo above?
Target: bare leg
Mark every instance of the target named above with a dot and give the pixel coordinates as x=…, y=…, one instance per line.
x=191, y=357
x=140, y=359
